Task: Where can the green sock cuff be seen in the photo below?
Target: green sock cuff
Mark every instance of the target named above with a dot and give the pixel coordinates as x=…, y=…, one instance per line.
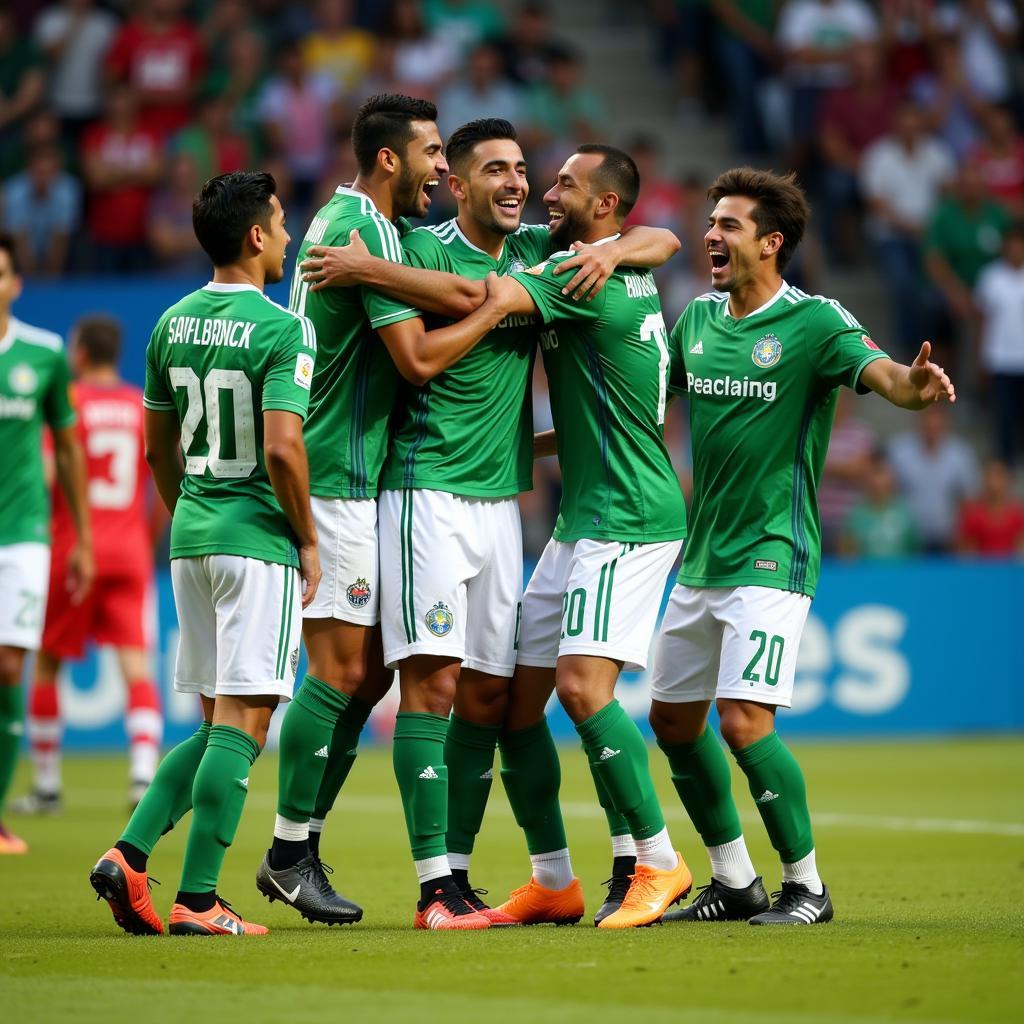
x=758, y=751
x=12, y=705
x=590, y=729
x=417, y=725
x=355, y=715
x=227, y=737
x=470, y=734
x=320, y=699
x=671, y=750
x=522, y=739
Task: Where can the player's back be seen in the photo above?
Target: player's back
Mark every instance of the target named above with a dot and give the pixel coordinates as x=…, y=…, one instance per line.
x=110, y=430
x=219, y=358
x=355, y=381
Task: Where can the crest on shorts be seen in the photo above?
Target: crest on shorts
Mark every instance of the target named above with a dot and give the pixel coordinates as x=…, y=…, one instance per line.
x=439, y=619
x=359, y=593
x=767, y=351
x=293, y=660
x=22, y=379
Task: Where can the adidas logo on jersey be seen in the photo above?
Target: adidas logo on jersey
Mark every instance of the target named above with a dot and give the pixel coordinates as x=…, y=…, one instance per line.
x=609, y=753
x=767, y=797
x=322, y=752
x=428, y=773
x=698, y=349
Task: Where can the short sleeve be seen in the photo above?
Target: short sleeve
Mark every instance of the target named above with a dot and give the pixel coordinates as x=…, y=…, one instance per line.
x=839, y=346
x=381, y=237
x=155, y=394
x=546, y=291
x=677, y=359
x=58, y=408
x=290, y=371
x=531, y=244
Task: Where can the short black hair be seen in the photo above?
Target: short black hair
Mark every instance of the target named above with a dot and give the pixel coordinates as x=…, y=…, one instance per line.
x=227, y=207
x=484, y=129
x=100, y=337
x=10, y=246
x=616, y=173
x=385, y=122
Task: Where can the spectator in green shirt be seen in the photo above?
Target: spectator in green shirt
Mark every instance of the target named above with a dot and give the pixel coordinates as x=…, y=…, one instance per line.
x=880, y=524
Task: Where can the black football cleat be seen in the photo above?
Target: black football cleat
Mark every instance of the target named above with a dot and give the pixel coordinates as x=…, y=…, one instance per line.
x=719, y=902
x=618, y=886
x=796, y=904
x=305, y=887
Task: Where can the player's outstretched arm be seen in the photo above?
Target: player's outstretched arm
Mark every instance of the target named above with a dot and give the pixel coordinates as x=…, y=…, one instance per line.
x=288, y=468
x=637, y=246
x=544, y=444
x=341, y=266
x=421, y=355
x=163, y=453
x=70, y=464
x=909, y=387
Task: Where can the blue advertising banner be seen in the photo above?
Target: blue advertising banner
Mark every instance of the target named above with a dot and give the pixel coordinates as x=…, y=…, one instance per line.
x=904, y=648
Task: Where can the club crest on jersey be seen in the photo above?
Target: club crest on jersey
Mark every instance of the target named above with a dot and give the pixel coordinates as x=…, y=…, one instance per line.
x=439, y=619
x=359, y=593
x=767, y=351
x=516, y=265
x=22, y=379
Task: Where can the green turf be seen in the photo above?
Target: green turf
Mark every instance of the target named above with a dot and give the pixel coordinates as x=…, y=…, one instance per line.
x=922, y=844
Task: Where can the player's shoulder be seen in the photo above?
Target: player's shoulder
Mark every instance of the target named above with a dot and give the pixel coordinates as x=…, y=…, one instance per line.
x=356, y=211
x=707, y=305
x=819, y=307
x=289, y=321
x=428, y=237
x=38, y=337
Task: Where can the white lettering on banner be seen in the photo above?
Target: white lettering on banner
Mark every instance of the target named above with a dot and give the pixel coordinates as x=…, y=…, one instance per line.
x=867, y=642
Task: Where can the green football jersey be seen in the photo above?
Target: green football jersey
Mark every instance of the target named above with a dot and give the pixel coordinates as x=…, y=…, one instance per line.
x=470, y=429
x=355, y=383
x=762, y=393
x=34, y=389
x=220, y=358
x=607, y=367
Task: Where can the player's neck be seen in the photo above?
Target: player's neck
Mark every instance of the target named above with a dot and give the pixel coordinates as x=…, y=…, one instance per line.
x=490, y=242
x=249, y=272
x=752, y=296
x=379, y=192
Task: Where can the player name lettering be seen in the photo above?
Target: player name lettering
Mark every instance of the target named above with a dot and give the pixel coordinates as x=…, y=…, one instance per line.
x=733, y=387
x=516, y=320
x=199, y=330
x=641, y=286
x=17, y=408
x=110, y=414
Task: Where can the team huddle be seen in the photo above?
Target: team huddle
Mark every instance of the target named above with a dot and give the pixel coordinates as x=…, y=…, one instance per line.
x=361, y=498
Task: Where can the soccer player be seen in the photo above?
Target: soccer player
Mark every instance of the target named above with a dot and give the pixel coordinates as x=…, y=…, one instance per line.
x=762, y=364
x=34, y=389
x=228, y=374
x=591, y=605
x=118, y=609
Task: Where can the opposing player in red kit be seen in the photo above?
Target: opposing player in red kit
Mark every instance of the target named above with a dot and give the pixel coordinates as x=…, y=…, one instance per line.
x=119, y=609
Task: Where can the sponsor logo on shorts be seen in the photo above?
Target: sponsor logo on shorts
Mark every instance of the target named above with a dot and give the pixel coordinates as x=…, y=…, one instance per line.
x=439, y=619
x=293, y=660
x=767, y=351
x=359, y=593
x=766, y=563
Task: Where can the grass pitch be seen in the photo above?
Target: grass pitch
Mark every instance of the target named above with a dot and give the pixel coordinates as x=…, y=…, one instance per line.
x=921, y=843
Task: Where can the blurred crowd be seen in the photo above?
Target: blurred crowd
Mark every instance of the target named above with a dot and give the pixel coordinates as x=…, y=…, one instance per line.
x=901, y=117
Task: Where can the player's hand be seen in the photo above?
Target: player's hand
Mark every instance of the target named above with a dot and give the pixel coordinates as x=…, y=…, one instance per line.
x=593, y=264
x=498, y=293
x=309, y=570
x=81, y=572
x=335, y=266
x=930, y=380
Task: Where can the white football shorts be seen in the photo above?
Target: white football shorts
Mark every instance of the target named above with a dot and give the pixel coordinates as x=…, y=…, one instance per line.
x=240, y=622
x=735, y=642
x=452, y=578
x=595, y=597
x=24, y=583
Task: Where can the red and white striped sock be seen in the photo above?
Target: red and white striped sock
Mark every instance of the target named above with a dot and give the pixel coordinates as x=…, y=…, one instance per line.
x=144, y=724
x=44, y=734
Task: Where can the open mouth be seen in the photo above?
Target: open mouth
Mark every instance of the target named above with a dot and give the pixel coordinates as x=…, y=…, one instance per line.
x=555, y=217
x=510, y=204
x=428, y=188
x=719, y=259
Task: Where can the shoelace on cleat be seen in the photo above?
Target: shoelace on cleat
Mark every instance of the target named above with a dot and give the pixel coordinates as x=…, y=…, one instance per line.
x=704, y=896
x=317, y=873
x=786, y=900
x=641, y=890
x=454, y=902
x=472, y=897
x=618, y=886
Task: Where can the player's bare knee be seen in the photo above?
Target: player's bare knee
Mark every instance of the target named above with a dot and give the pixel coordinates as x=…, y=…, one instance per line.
x=482, y=699
x=676, y=723
x=744, y=723
x=575, y=695
x=12, y=660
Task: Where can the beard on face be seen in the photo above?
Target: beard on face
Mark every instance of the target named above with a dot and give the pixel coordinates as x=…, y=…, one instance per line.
x=570, y=228
x=407, y=193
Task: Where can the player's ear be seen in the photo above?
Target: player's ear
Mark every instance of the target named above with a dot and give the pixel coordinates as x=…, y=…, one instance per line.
x=771, y=244
x=255, y=238
x=456, y=186
x=387, y=160
x=607, y=204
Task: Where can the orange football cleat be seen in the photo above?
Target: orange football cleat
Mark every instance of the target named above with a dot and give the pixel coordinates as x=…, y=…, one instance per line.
x=650, y=894
x=533, y=904
x=448, y=911
x=220, y=919
x=10, y=843
x=127, y=893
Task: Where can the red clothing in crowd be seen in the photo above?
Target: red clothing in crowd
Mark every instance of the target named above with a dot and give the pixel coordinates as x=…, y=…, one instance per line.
x=992, y=532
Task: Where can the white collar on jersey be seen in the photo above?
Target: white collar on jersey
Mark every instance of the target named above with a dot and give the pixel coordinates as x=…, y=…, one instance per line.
x=344, y=190
x=607, y=238
x=475, y=248
x=217, y=286
x=8, y=339
x=760, y=309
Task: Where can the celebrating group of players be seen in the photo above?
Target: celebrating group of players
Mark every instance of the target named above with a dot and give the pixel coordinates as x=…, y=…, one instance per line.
x=363, y=495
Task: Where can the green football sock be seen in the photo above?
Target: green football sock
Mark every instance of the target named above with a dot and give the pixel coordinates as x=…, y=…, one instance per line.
x=777, y=786
x=218, y=797
x=469, y=755
x=169, y=796
x=532, y=775
x=12, y=728
x=344, y=742
x=306, y=735
x=618, y=758
x=617, y=824
x=700, y=773
x=418, y=755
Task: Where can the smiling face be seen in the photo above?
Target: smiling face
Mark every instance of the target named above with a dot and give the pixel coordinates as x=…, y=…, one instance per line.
x=570, y=201
x=736, y=253
x=493, y=188
x=421, y=168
